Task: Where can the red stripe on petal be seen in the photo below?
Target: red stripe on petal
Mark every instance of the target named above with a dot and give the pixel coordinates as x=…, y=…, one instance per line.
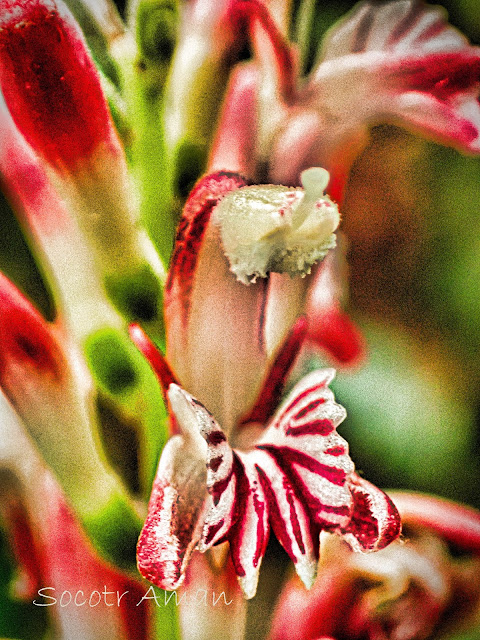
x=302, y=396
x=219, y=487
x=277, y=519
x=315, y=428
x=170, y=532
x=184, y=259
x=297, y=532
x=406, y=23
x=335, y=451
x=215, y=438
x=212, y=531
x=312, y=503
x=214, y=463
x=50, y=83
x=311, y=406
x=235, y=535
x=363, y=525
x=375, y=519
x=432, y=31
x=290, y=456
x=273, y=386
x=262, y=534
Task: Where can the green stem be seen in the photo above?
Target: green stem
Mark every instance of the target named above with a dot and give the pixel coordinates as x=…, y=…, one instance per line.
x=166, y=616
x=303, y=28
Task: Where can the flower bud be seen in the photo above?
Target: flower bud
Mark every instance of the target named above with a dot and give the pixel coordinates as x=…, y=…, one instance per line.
x=50, y=83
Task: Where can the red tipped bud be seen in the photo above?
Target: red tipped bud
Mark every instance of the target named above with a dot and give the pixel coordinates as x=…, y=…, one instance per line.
x=27, y=344
x=49, y=81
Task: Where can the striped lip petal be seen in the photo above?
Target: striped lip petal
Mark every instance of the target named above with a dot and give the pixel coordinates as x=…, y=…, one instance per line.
x=403, y=61
x=298, y=479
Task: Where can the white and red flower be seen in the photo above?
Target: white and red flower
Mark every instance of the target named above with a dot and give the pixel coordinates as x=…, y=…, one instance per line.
x=415, y=589
x=393, y=62
x=52, y=554
x=291, y=472
x=397, y=62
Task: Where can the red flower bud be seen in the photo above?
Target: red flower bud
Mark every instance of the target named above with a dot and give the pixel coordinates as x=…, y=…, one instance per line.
x=27, y=343
x=49, y=81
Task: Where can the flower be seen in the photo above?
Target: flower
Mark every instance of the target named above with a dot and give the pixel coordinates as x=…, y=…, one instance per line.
x=54, y=95
x=416, y=588
x=292, y=472
x=395, y=62
x=102, y=135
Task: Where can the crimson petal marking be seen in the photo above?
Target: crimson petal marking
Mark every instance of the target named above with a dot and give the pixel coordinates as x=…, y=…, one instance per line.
x=304, y=404
x=238, y=512
x=275, y=380
x=290, y=517
x=301, y=439
x=328, y=485
x=375, y=520
x=195, y=218
x=249, y=534
x=197, y=423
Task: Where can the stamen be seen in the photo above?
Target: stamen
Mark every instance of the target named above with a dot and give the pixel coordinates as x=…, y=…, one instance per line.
x=314, y=182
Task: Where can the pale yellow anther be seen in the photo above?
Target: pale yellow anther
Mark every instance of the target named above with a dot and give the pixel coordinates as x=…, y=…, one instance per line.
x=314, y=181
